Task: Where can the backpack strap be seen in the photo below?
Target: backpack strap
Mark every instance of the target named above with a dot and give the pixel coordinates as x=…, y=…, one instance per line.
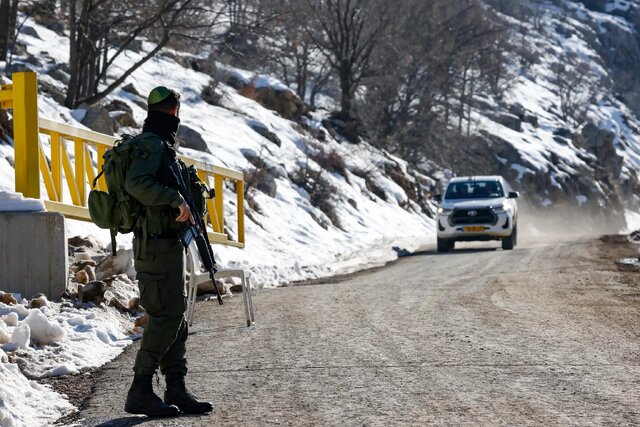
x=113, y=233
x=95, y=181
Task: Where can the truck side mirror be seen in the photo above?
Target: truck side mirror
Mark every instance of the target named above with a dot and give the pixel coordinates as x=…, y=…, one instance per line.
x=437, y=198
x=514, y=194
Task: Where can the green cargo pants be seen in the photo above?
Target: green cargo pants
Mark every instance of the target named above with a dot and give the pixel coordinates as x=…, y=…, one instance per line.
x=161, y=279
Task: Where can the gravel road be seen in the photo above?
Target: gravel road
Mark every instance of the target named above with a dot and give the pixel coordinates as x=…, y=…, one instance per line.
x=546, y=334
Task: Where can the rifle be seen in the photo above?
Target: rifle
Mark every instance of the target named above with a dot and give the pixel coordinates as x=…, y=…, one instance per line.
x=197, y=231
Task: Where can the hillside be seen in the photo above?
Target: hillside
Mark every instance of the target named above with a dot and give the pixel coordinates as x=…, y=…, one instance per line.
x=365, y=202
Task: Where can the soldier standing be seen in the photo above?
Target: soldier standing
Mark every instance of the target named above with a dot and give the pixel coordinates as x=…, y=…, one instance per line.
x=160, y=264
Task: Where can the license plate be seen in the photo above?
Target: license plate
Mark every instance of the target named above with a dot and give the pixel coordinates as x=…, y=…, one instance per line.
x=474, y=228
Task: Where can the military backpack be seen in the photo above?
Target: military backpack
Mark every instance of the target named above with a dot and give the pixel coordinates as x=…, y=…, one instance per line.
x=115, y=209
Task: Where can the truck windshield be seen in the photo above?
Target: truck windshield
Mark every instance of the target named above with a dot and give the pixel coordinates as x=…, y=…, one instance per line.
x=474, y=190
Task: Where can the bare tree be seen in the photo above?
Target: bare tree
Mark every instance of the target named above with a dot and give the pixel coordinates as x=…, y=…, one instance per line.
x=576, y=88
x=8, y=18
x=101, y=31
x=347, y=32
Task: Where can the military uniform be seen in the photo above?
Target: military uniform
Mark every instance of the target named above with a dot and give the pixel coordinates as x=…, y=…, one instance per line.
x=159, y=258
x=160, y=263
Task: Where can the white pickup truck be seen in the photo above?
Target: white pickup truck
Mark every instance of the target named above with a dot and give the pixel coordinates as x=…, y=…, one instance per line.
x=477, y=208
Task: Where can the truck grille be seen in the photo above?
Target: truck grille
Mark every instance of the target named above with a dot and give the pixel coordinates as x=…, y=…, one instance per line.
x=482, y=216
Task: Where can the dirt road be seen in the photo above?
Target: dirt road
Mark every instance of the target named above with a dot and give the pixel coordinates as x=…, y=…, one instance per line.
x=546, y=334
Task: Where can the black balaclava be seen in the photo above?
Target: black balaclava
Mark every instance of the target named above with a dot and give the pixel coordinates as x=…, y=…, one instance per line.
x=163, y=124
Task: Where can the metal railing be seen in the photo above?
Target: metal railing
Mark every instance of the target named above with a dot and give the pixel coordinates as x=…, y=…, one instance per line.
x=60, y=172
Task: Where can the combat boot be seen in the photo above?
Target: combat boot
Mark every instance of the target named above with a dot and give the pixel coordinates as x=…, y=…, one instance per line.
x=178, y=395
x=142, y=400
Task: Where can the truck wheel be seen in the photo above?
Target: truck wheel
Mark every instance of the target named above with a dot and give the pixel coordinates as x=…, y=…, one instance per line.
x=508, y=243
x=445, y=245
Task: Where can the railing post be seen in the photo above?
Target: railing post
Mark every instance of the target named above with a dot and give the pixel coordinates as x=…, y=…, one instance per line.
x=240, y=201
x=219, y=189
x=25, y=133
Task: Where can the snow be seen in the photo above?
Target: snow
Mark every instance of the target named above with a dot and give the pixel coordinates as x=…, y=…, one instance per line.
x=27, y=403
x=14, y=202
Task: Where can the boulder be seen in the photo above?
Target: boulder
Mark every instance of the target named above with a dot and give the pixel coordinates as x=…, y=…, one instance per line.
x=284, y=102
x=82, y=277
x=507, y=119
x=38, y=301
x=207, y=288
x=262, y=129
x=6, y=298
x=92, y=291
x=236, y=288
x=141, y=321
x=86, y=242
x=189, y=138
x=91, y=273
x=123, y=119
x=601, y=143
x=117, y=105
x=131, y=89
x=134, y=303
x=97, y=118
x=121, y=263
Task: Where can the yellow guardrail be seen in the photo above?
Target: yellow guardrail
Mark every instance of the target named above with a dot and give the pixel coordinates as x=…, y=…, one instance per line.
x=60, y=172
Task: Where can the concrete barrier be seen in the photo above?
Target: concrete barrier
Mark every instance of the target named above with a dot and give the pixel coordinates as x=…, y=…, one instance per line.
x=33, y=253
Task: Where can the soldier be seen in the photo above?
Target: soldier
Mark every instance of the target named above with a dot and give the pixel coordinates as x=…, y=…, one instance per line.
x=160, y=264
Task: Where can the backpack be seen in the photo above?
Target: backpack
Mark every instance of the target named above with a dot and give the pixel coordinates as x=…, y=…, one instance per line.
x=115, y=209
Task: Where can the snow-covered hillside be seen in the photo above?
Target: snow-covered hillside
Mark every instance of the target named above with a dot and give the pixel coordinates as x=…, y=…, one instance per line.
x=287, y=237
x=560, y=133
x=365, y=214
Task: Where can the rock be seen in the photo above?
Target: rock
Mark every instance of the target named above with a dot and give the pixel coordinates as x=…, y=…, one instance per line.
x=507, y=119
x=236, y=288
x=117, y=304
x=207, y=288
x=5, y=337
x=7, y=298
x=92, y=291
x=123, y=119
x=60, y=72
x=47, y=88
x=117, y=105
x=82, y=256
x=97, y=118
x=131, y=89
x=114, y=265
x=285, y=102
x=82, y=277
x=38, y=301
x=57, y=27
x=189, y=138
x=29, y=31
x=141, y=321
x=263, y=130
x=86, y=242
x=134, y=303
x=122, y=288
x=563, y=133
x=81, y=265
x=601, y=143
x=91, y=273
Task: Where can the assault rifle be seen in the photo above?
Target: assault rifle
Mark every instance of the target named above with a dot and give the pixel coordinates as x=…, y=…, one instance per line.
x=197, y=232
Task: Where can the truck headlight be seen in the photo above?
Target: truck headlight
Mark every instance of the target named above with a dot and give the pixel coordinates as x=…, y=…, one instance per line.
x=500, y=209
x=444, y=211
